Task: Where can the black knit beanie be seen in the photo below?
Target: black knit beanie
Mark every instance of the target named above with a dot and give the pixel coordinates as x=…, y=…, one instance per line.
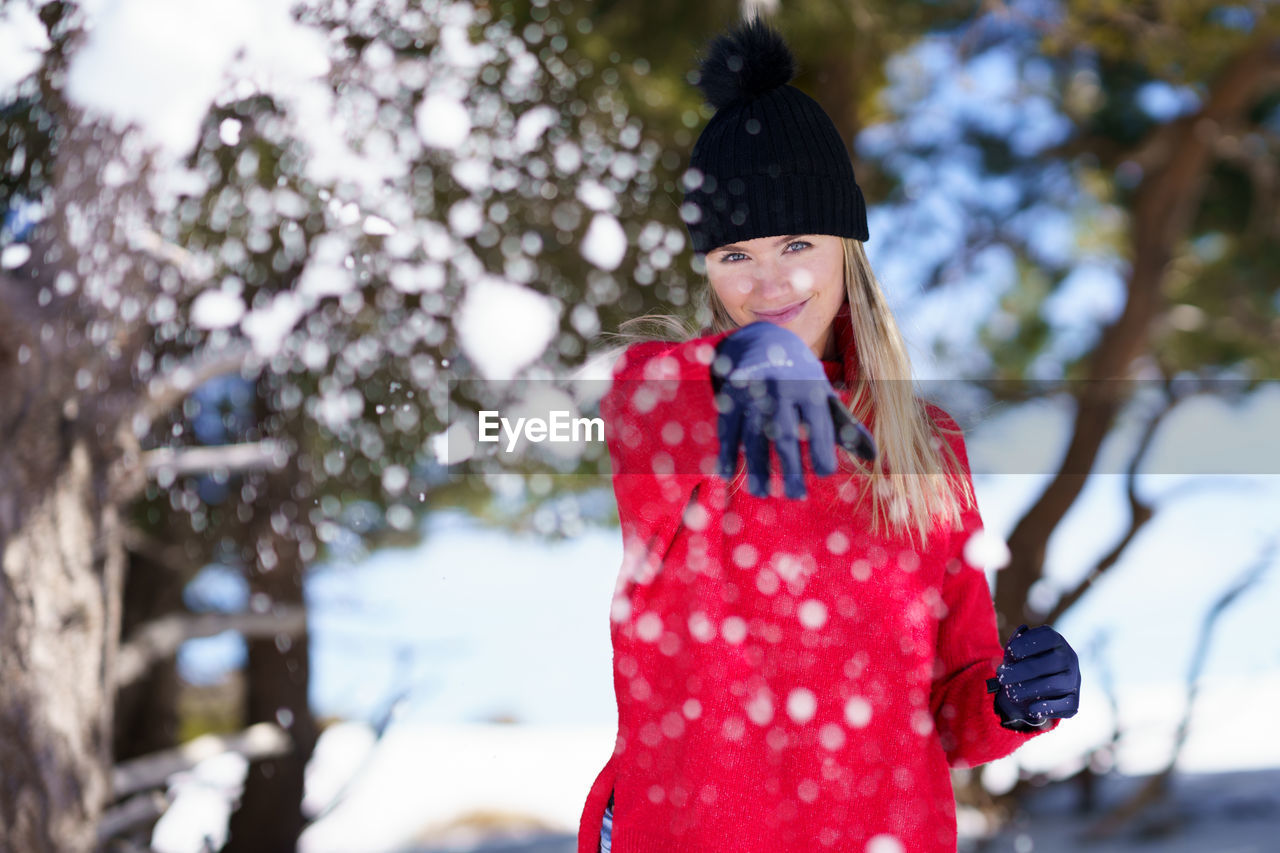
x=770, y=161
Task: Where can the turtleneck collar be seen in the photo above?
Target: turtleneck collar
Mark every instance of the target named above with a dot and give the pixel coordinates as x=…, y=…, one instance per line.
x=845, y=370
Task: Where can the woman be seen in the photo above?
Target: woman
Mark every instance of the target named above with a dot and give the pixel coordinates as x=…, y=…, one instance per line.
x=797, y=663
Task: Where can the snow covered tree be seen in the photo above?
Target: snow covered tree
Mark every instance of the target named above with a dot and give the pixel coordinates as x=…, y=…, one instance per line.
x=246, y=254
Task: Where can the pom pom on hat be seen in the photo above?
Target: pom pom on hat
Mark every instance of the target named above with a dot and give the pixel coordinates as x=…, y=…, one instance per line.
x=744, y=63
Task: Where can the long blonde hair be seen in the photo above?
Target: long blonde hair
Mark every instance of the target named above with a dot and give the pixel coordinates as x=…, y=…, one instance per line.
x=904, y=433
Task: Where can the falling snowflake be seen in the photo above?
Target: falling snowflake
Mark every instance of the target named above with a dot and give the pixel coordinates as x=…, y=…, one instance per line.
x=986, y=550
x=801, y=704
x=605, y=243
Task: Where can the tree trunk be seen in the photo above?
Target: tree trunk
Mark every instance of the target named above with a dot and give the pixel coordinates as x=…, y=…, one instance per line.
x=61, y=561
x=1163, y=209
x=269, y=817
x=146, y=713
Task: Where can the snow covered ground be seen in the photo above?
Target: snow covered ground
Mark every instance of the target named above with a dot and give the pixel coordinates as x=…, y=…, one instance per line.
x=1223, y=812
x=424, y=779
x=436, y=786
x=526, y=636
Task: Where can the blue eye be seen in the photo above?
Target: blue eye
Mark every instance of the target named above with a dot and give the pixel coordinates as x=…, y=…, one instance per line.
x=727, y=257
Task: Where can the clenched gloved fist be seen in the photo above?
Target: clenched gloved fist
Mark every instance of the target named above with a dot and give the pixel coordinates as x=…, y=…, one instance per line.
x=766, y=382
x=1039, y=679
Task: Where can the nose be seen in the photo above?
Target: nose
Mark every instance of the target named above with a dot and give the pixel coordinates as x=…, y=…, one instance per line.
x=770, y=283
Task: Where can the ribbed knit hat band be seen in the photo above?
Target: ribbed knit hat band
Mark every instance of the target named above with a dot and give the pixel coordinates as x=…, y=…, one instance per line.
x=770, y=160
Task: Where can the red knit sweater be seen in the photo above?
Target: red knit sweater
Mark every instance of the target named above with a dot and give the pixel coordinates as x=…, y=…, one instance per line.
x=785, y=681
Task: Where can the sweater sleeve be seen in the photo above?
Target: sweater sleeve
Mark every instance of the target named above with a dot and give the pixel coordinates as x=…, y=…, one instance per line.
x=661, y=430
x=968, y=644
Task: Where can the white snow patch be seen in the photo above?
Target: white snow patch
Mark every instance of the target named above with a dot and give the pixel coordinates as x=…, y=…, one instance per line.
x=201, y=805
x=325, y=273
x=456, y=48
x=986, y=550
x=267, y=327
x=456, y=444
x=416, y=278
x=335, y=408
x=568, y=157
x=339, y=753
x=532, y=125
x=217, y=309
x=22, y=39
x=605, y=242
x=466, y=217
x=503, y=326
x=378, y=226
x=12, y=257
x=539, y=772
x=472, y=173
x=229, y=131
x=596, y=195
x=442, y=121
x=140, y=63
x=1149, y=720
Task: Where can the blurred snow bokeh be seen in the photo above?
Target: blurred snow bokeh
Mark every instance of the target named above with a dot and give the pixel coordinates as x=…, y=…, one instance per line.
x=141, y=65
x=22, y=39
x=505, y=326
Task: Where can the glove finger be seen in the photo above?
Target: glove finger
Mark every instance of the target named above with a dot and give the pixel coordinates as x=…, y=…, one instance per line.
x=763, y=395
x=756, y=448
x=1039, y=639
x=729, y=428
x=1036, y=666
x=1063, y=706
x=1049, y=687
x=1008, y=654
x=822, y=439
x=788, y=445
x=850, y=432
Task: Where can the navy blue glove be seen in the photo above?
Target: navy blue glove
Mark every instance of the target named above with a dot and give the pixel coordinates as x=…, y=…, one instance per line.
x=766, y=382
x=1039, y=679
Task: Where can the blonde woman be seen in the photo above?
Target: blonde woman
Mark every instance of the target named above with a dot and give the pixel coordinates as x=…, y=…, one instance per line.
x=799, y=661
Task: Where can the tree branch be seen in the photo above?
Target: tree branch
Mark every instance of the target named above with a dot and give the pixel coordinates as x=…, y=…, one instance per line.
x=161, y=639
x=134, y=813
x=148, y=242
x=1140, y=513
x=263, y=740
x=166, y=392
x=1156, y=787
x=171, y=556
x=1163, y=206
x=250, y=456
x=1255, y=156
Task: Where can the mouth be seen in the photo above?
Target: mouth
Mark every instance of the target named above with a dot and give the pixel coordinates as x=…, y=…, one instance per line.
x=784, y=314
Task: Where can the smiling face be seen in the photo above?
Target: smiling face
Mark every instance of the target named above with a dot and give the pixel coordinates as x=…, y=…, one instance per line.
x=796, y=281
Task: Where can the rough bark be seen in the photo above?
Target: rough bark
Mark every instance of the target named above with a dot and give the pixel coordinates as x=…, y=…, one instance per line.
x=61, y=564
x=67, y=385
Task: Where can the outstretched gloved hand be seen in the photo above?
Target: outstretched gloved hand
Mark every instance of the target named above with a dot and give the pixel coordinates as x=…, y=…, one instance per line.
x=1038, y=680
x=767, y=381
